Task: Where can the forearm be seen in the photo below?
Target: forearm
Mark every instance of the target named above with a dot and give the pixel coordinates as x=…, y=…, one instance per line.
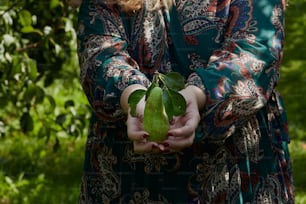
x=193, y=93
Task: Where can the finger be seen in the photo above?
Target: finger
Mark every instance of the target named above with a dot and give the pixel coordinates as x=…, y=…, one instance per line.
x=179, y=143
x=178, y=122
x=181, y=132
x=146, y=147
x=134, y=129
x=184, y=126
x=137, y=135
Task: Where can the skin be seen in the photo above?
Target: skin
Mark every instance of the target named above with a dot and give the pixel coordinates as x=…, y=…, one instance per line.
x=182, y=130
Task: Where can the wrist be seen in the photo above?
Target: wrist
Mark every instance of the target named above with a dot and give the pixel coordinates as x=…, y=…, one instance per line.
x=194, y=94
x=126, y=93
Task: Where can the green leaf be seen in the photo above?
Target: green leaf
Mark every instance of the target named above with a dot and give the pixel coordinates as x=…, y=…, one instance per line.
x=30, y=93
x=34, y=94
x=16, y=67
x=27, y=29
x=178, y=102
x=40, y=95
x=134, y=99
x=26, y=122
x=167, y=101
x=56, y=145
x=60, y=119
x=54, y=3
x=31, y=29
x=50, y=108
x=11, y=184
x=44, y=132
x=173, y=80
x=69, y=103
x=32, y=69
x=25, y=18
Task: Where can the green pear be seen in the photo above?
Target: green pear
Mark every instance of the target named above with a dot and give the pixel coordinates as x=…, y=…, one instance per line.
x=155, y=120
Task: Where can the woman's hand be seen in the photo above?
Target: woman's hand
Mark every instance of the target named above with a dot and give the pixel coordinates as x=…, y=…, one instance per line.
x=182, y=129
x=138, y=135
x=135, y=130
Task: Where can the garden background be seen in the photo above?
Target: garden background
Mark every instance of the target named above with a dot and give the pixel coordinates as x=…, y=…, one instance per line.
x=44, y=113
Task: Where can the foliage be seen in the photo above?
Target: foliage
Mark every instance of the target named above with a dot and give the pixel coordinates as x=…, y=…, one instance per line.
x=298, y=156
x=40, y=175
x=42, y=108
x=38, y=56
x=293, y=75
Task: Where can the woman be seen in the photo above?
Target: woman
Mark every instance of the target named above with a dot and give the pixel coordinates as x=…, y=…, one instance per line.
x=230, y=146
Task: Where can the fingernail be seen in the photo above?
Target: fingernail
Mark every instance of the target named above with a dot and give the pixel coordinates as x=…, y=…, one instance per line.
x=165, y=144
x=166, y=151
x=170, y=134
x=154, y=146
x=145, y=136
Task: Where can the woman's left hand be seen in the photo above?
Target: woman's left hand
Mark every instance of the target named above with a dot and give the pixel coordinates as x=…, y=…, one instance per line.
x=182, y=130
x=138, y=135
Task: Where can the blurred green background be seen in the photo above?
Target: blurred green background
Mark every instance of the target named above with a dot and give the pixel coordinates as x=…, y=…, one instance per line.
x=44, y=113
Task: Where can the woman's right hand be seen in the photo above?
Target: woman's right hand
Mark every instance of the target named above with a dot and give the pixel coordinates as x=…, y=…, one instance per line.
x=138, y=135
x=135, y=130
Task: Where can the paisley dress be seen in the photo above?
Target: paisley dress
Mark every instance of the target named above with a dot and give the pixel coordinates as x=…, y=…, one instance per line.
x=232, y=50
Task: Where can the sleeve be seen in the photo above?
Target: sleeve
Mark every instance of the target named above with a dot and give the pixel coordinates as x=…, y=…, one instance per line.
x=106, y=66
x=242, y=74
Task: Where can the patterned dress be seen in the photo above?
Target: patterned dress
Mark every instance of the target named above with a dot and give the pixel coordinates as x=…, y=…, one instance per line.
x=232, y=50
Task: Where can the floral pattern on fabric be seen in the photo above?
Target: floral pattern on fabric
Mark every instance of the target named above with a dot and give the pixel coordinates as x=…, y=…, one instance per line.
x=232, y=50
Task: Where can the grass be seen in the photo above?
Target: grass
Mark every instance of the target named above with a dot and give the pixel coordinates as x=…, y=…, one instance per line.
x=298, y=156
x=31, y=172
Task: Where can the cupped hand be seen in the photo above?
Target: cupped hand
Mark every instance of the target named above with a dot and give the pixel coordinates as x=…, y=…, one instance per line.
x=138, y=135
x=182, y=130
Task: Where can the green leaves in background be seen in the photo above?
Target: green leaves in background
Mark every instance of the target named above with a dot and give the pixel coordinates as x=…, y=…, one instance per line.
x=37, y=62
x=293, y=75
x=26, y=122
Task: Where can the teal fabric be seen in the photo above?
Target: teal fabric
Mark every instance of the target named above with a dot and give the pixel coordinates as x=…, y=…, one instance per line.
x=232, y=50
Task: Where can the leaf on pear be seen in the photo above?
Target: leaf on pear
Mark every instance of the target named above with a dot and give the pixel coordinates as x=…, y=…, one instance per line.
x=167, y=101
x=173, y=80
x=178, y=102
x=134, y=99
